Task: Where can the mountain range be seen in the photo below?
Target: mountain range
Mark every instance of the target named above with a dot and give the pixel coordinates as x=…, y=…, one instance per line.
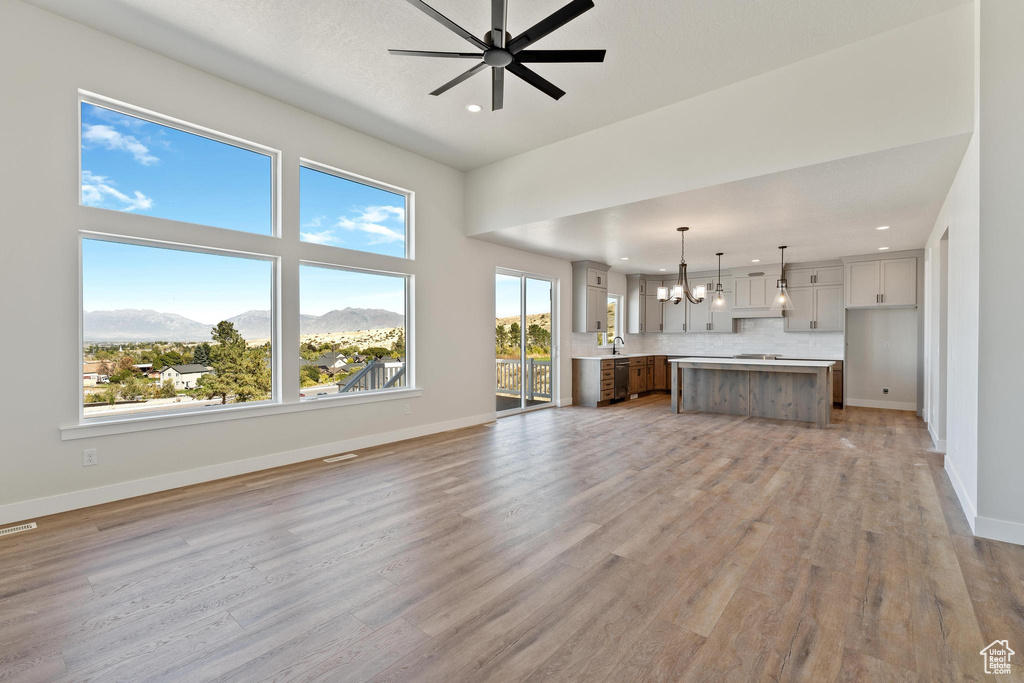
x=135, y=325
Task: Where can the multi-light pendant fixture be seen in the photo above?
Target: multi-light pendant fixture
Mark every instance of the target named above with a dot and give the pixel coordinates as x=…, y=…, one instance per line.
x=682, y=286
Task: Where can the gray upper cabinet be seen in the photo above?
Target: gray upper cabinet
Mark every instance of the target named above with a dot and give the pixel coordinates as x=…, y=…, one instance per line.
x=817, y=295
x=652, y=319
x=635, y=304
x=589, y=297
x=752, y=294
x=702, y=317
x=675, y=316
x=881, y=283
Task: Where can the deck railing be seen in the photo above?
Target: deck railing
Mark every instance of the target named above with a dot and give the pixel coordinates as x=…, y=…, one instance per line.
x=510, y=375
x=378, y=374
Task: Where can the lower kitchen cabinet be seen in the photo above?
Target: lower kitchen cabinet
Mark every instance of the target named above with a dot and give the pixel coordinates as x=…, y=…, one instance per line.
x=593, y=379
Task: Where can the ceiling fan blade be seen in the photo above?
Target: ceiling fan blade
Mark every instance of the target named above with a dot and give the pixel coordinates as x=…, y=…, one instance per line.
x=536, y=80
x=499, y=19
x=545, y=26
x=461, y=77
x=447, y=23
x=497, y=88
x=424, y=53
x=560, y=56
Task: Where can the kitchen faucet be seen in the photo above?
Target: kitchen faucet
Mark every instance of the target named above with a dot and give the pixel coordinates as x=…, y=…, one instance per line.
x=615, y=350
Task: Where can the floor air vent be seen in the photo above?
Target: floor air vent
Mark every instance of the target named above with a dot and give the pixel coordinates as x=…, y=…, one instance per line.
x=15, y=529
x=339, y=458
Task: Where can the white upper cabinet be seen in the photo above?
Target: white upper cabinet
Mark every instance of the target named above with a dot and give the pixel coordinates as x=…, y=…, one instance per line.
x=589, y=297
x=829, y=312
x=808, y=277
x=675, y=316
x=635, y=300
x=801, y=318
x=881, y=283
x=829, y=275
x=898, y=282
x=752, y=292
x=652, y=315
x=799, y=277
x=817, y=295
x=862, y=283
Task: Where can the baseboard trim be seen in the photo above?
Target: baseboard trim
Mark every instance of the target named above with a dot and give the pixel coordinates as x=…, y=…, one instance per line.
x=961, y=493
x=940, y=444
x=1000, y=530
x=884, y=405
x=75, y=500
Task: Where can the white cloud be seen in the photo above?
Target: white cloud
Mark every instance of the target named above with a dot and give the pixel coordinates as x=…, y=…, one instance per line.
x=97, y=189
x=316, y=222
x=380, y=233
x=322, y=237
x=377, y=214
x=112, y=139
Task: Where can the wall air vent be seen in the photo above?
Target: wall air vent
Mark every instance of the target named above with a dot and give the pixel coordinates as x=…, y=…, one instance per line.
x=339, y=458
x=16, y=529
x=758, y=274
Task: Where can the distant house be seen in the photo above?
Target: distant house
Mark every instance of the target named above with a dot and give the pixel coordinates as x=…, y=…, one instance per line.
x=184, y=376
x=329, y=363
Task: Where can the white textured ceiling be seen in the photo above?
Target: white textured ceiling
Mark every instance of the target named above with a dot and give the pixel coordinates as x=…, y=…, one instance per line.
x=329, y=57
x=820, y=212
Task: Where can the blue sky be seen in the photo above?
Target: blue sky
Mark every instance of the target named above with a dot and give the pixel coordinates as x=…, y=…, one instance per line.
x=129, y=164
x=506, y=296
x=343, y=213
x=326, y=289
x=203, y=287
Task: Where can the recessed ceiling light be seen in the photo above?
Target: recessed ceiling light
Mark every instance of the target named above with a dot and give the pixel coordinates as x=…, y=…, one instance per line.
x=473, y=108
x=883, y=248
x=755, y=260
x=882, y=227
x=663, y=269
x=625, y=258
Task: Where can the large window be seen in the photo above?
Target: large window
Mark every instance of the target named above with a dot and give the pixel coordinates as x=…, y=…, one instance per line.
x=189, y=319
x=133, y=164
x=166, y=329
x=352, y=329
x=340, y=210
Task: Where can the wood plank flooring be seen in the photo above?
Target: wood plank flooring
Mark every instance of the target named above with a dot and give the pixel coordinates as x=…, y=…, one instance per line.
x=575, y=544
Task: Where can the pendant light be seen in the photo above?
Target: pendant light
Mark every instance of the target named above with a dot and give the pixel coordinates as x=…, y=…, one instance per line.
x=781, y=301
x=682, y=286
x=718, y=300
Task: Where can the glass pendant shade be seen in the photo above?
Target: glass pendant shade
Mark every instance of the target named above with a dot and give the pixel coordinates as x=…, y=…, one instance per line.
x=781, y=301
x=699, y=291
x=662, y=293
x=719, y=302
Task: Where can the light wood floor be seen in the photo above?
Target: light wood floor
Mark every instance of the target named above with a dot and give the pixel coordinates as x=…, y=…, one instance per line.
x=621, y=544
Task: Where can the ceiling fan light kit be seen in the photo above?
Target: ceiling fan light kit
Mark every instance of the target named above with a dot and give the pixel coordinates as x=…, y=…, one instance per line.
x=502, y=52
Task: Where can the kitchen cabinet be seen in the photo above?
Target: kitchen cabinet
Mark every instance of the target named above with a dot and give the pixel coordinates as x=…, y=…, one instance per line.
x=881, y=283
x=661, y=373
x=703, y=318
x=816, y=309
x=635, y=304
x=652, y=315
x=593, y=381
x=589, y=297
x=808, y=277
x=675, y=317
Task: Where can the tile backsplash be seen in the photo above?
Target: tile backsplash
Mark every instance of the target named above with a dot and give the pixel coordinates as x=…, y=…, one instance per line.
x=753, y=335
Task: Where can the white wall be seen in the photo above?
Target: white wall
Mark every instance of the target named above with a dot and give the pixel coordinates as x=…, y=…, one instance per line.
x=882, y=352
x=47, y=59
x=762, y=125
x=1001, y=245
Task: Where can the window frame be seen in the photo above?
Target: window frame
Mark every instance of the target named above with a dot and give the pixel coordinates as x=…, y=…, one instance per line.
x=275, y=324
x=410, y=365
x=617, y=332
x=409, y=195
x=286, y=251
x=96, y=100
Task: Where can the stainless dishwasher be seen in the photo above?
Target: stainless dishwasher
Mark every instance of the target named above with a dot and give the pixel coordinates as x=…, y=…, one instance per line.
x=621, y=379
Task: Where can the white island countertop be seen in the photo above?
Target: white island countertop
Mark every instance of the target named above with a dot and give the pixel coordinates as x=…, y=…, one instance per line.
x=610, y=356
x=756, y=361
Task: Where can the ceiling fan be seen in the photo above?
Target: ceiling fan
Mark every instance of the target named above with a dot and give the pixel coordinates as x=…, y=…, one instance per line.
x=500, y=51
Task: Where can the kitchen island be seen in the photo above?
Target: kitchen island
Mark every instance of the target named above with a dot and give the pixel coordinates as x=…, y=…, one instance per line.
x=781, y=389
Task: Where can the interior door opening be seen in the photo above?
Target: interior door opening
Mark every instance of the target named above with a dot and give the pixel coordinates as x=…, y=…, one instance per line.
x=524, y=350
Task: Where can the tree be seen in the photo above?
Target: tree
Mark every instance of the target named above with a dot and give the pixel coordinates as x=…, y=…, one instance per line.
x=167, y=389
x=309, y=374
x=500, y=336
x=513, y=333
x=376, y=351
x=237, y=370
x=201, y=355
x=131, y=388
x=398, y=350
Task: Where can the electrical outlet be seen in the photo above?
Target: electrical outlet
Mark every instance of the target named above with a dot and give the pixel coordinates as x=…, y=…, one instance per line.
x=885, y=390
x=408, y=409
x=885, y=345
x=89, y=457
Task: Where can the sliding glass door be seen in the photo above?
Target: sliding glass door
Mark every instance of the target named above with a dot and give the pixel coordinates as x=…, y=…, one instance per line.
x=523, y=342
